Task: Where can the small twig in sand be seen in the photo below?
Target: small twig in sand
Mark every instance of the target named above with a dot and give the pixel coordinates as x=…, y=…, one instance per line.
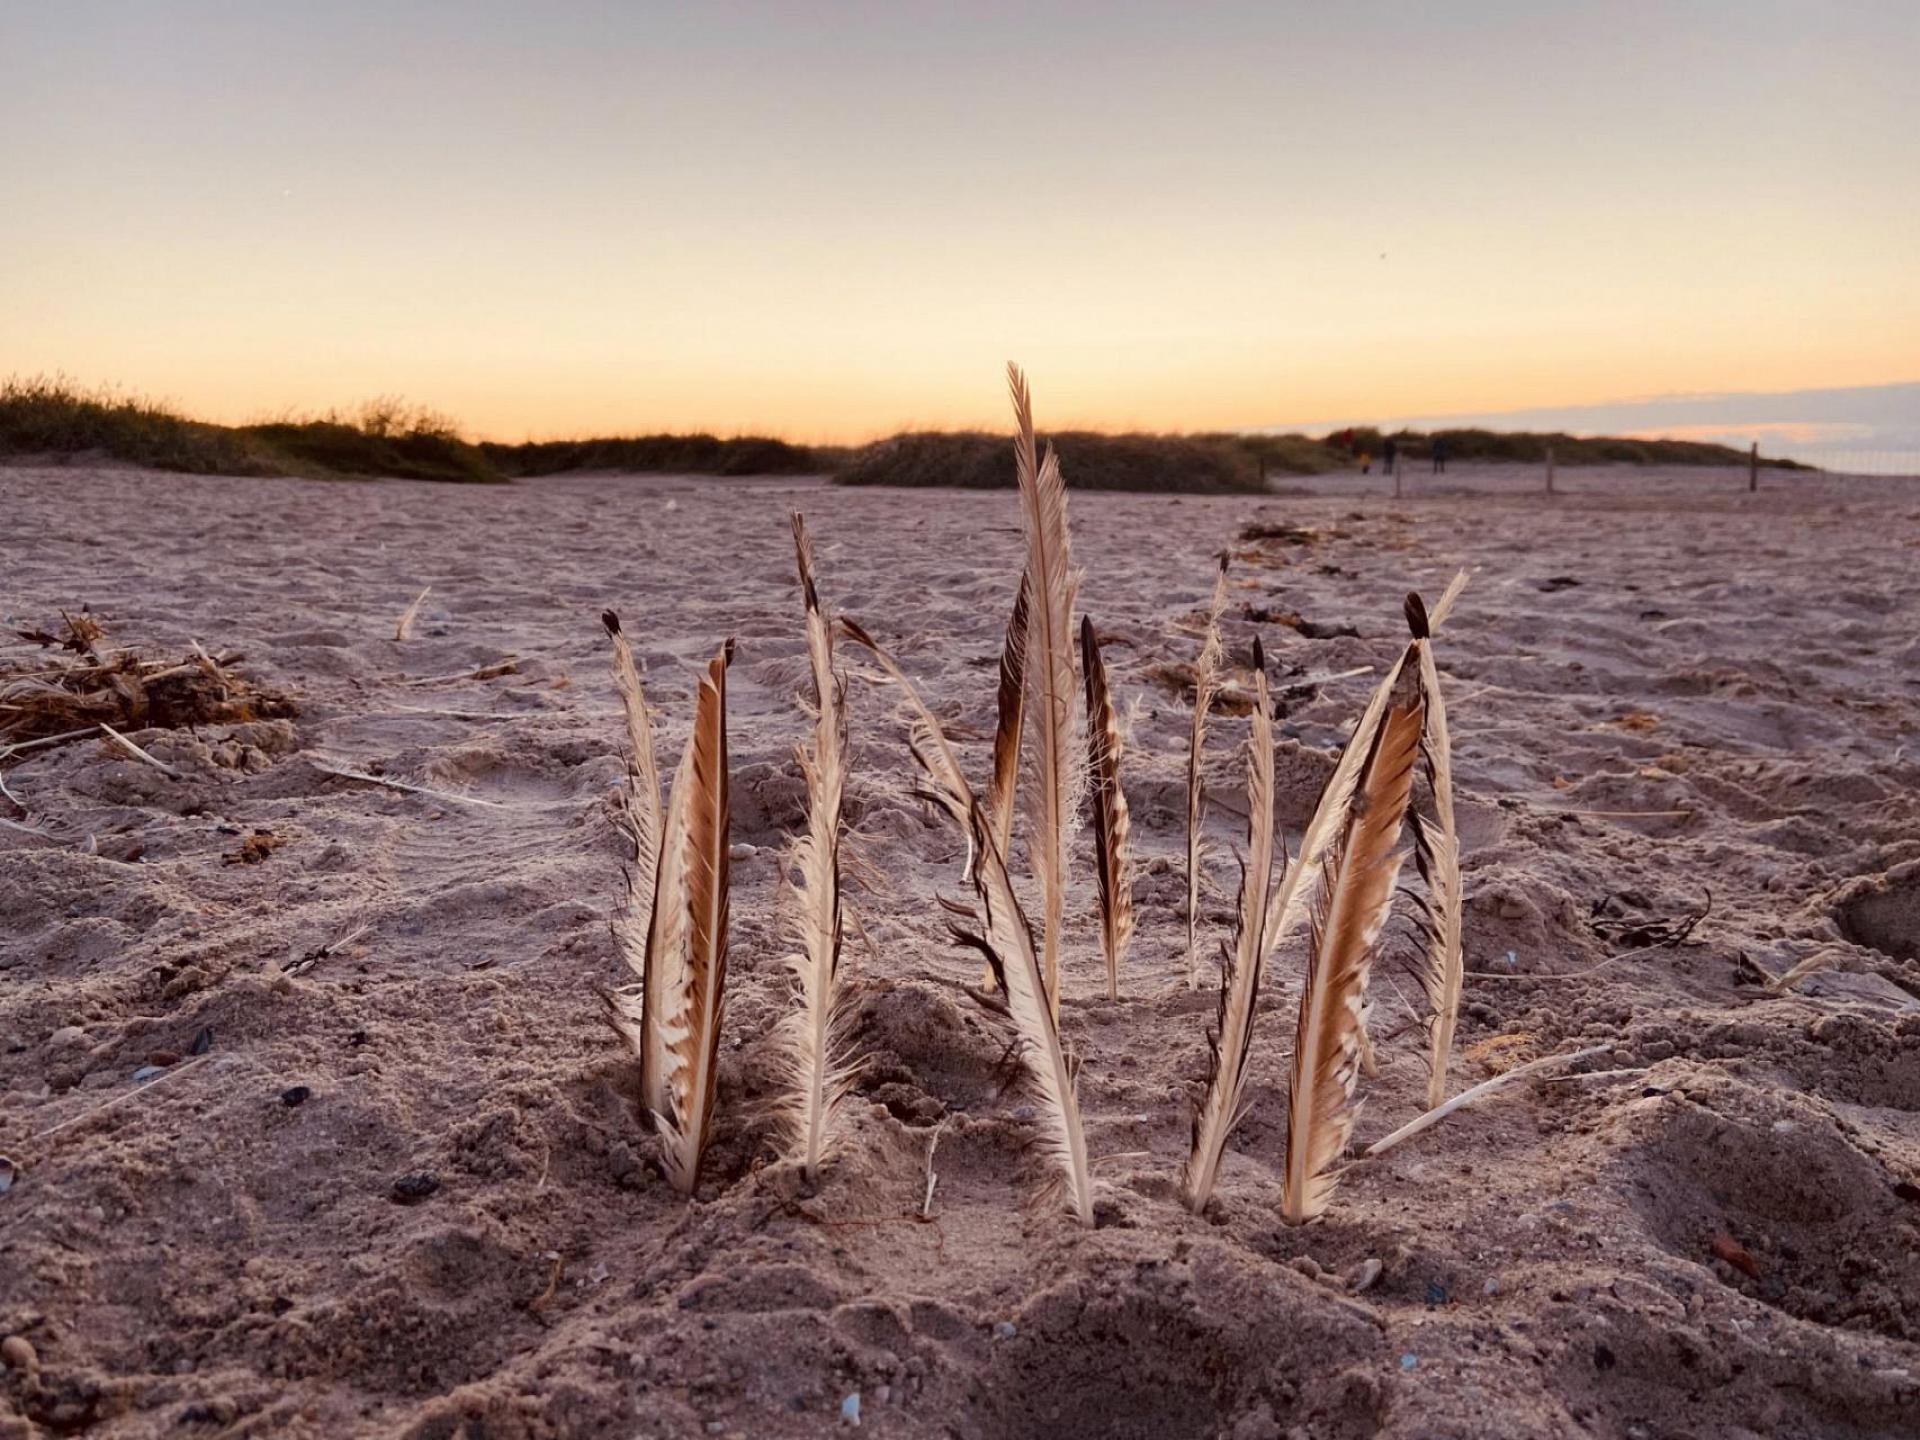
x=1596, y=1075
x=508, y=666
x=1782, y=983
x=300, y=964
x=137, y=753
x=1565, y=974
x=1477, y=1093
x=1305, y=682
x=153, y=1084
x=404, y=630
x=402, y=785
x=933, y=1177
x=19, y=747
x=446, y=714
x=7, y=824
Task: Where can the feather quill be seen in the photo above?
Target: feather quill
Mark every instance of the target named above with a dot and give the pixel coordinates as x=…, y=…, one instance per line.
x=1231, y=1038
x=1441, y=968
x=1353, y=896
x=691, y=1023
x=812, y=1034
x=1206, y=675
x=1057, y=774
x=1113, y=856
x=1006, y=940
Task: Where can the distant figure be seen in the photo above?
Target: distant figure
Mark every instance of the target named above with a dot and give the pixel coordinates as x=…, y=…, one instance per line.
x=1366, y=463
x=1442, y=447
x=1389, y=452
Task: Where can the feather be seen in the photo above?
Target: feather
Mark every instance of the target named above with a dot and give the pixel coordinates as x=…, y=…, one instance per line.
x=1005, y=939
x=1231, y=1037
x=1113, y=858
x=692, y=1023
x=1450, y=596
x=1354, y=894
x=811, y=1036
x=640, y=810
x=632, y=1006
x=1436, y=852
x=1206, y=672
x=1011, y=707
x=1329, y=814
x=1057, y=775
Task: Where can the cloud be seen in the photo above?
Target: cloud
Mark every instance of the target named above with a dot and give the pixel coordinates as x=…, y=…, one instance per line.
x=1804, y=424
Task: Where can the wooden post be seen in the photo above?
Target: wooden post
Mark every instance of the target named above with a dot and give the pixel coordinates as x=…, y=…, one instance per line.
x=1396, y=476
x=1549, y=470
x=1753, y=467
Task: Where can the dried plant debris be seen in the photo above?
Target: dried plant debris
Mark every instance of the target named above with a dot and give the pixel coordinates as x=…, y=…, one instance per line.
x=1624, y=918
x=252, y=850
x=1286, y=534
x=53, y=703
x=76, y=633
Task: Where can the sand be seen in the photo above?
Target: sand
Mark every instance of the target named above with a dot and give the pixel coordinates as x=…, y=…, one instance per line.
x=401, y=1190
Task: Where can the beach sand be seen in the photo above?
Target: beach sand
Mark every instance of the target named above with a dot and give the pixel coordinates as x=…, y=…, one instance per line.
x=1661, y=687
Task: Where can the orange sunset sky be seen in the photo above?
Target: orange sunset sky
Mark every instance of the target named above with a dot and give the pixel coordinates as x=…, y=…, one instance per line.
x=829, y=221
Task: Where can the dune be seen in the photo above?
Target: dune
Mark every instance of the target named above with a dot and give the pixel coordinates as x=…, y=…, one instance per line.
x=315, y=1126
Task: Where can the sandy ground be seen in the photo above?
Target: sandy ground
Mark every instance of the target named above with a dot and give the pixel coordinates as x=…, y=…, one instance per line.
x=1661, y=687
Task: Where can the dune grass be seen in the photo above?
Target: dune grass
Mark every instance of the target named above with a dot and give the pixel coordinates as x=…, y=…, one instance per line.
x=386, y=437
x=1529, y=447
x=54, y=418
x=973, y=460
x=694, y=454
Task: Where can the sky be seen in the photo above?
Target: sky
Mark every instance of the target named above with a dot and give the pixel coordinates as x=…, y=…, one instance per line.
x=830, y=221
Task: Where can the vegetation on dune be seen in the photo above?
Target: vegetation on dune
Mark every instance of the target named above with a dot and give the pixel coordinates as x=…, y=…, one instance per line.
x=54, y=417
x=973, y=460
x=696, y=454
x=387, y=437
x=1529, y=447
x=1223, y=462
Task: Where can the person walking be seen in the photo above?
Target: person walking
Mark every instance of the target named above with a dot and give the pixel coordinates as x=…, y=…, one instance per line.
x=1441, y=448
x=1389, y=452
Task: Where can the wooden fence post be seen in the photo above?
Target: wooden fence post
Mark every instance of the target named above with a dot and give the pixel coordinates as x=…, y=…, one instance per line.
x=1396, y=476
x=1549, y=470
x=1753, y=467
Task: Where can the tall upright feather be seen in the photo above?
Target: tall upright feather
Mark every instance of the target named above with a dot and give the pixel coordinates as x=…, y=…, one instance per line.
x=1113, y=856
x=1057, y=774
x=811, y=1035
x=1441, y=968
x=1353, y=896
x=1329, y=815
x=1206, y=677
x=1231, y=1039
x=664, y=974
x=640, y=808
x=1006, y=940
x=693, y=1027
x=641, y=820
